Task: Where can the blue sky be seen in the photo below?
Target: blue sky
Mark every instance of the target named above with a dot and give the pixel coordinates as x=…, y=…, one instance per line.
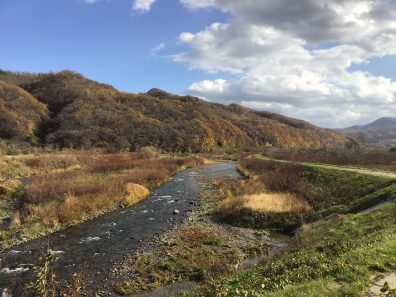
x=105, y=41
x=330, y=62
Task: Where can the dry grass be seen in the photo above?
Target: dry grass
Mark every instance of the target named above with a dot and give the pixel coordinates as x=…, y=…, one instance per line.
x=192, y=253
x=100, y=183
x=136, y=193
x=376, y=158
x=317, y=192
x=10, y=168
x=10, y=187
x=266, y=203
x=276, y=177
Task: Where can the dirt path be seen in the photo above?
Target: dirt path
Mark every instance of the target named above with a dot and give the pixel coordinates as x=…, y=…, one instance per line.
x=375, y=290
x=336, y=167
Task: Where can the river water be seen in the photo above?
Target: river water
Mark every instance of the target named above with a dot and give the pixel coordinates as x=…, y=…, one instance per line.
x=93, y=247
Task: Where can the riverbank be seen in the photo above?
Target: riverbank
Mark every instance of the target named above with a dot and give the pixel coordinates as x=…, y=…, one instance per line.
x=333, y=252
x=87, y=187
x=198, y=251
x=92, y=248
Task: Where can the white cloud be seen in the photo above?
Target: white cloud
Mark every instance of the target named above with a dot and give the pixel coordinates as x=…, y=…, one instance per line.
x=94, y=1
x=158, y=47
x=142, y=6
x=294, y=57
x=90, y=1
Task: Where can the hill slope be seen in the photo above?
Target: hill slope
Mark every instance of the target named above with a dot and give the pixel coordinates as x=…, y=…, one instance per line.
x=20, y=113
x=85, y=113
x=381, y=132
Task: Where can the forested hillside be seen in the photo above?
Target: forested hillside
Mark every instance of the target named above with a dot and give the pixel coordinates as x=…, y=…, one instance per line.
x=85, y=114
x=20, y=113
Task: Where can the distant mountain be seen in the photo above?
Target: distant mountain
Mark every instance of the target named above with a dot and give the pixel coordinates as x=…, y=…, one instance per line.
x=84, y=114
x=381, y=132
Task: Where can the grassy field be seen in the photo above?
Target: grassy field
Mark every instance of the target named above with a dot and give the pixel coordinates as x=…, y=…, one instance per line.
x=380, y=159
x=193, y=253
x=336, y=256
x=327, y=258
x=63, y=190
x=284, y=197
x=301, y=193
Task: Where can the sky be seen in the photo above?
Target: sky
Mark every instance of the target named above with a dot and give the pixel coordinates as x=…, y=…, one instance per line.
x=330, y=62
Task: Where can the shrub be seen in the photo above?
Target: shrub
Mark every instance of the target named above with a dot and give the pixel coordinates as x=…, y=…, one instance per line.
x=69, y=210
x=280, y=210
x=148, y=152
x=10, y=187
x=112, y=163
x=136, y=193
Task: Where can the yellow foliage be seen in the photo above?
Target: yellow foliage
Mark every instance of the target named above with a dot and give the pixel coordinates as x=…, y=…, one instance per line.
x=266, y=203
x=207, y=162
x=136, y=193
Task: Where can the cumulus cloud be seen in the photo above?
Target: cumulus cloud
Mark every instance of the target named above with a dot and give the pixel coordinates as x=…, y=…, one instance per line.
x=294, y=57
x=142, y=6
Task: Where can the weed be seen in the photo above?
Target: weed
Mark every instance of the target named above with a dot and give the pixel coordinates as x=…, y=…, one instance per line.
x=198, y=255
x=56, y=197
x=260, y=201
x=343, y=251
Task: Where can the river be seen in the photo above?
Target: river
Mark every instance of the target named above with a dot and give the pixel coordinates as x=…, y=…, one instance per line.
x=94, y=246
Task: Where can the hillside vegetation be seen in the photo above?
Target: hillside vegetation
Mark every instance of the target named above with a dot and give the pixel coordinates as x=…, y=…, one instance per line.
x=20, y=113
x=86, y=114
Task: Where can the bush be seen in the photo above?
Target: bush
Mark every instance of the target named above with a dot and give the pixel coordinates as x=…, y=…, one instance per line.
x=10, y=187
x=148, y=152
x=136, y=193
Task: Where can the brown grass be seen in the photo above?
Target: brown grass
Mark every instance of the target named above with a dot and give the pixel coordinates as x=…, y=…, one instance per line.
x=370, y=158
x=274, y=176
x=69, y=187
x=69, y=209
x=99, y=184
x=136, y=193
x=266, y=203
x=273, y=196
x=193, y=253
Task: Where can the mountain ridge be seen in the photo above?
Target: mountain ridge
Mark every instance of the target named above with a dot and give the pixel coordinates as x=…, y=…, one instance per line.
x=379, y=133
x=84, y=113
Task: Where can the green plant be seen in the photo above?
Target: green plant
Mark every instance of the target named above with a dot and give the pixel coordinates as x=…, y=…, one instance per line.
x=45, y=279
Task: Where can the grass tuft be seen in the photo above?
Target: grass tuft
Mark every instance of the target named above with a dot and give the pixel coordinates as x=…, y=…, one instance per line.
x=266, y=203
x=136, y=193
